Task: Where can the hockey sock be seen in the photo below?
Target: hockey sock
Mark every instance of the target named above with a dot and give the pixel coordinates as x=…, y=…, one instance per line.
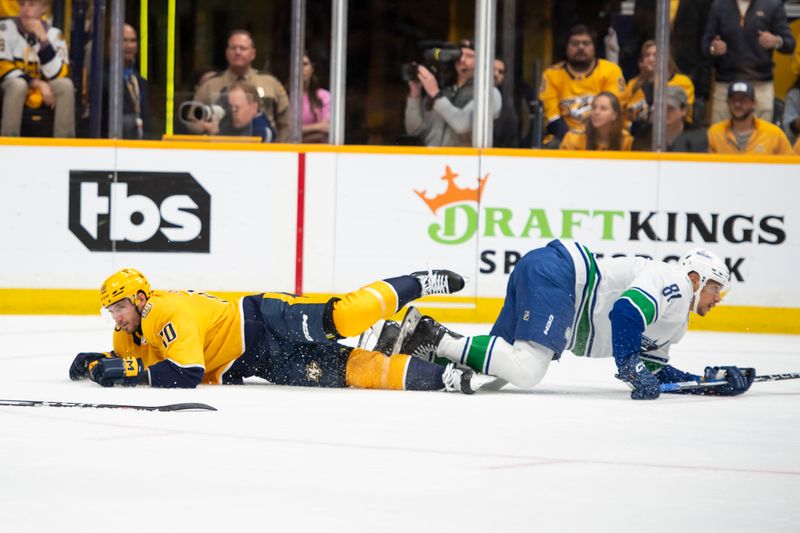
x=358, y=310
x=474, y=352
x=407, y=289
x=523, y=364
x=373, y=370
x=422, y=375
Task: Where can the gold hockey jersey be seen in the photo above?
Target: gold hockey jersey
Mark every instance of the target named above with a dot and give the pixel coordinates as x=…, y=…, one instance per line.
x=568, y=94
x=185, y=332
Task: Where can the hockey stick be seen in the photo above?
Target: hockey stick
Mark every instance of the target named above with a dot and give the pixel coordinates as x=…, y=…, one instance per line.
x=168, y=407
x=688, y=385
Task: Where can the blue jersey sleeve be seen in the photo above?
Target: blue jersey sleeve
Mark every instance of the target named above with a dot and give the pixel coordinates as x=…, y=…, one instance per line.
x=627, y=327
x=167, y=374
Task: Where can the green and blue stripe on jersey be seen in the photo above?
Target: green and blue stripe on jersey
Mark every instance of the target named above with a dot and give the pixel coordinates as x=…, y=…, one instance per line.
x=643, y=302
x=583, y=333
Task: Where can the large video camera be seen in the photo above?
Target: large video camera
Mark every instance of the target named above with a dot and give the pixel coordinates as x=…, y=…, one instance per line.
x=437, y=56
x=192, y=111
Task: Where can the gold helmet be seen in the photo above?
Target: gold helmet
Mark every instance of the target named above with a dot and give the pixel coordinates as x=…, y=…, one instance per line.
x=123, y=284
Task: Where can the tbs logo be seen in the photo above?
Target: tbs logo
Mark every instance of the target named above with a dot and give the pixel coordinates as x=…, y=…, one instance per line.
x=139, y=211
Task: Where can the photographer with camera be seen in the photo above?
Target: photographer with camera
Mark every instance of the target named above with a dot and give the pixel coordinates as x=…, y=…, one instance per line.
x=438, y=110
x=273, y=100
x=242, y=116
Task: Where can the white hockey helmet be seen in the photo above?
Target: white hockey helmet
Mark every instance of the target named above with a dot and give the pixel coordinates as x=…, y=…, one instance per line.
x=709, y=267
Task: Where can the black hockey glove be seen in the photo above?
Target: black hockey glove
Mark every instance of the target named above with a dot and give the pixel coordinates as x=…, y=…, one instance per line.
x=79, y=368
x=128, y=371
x=645, y=384
x=739, y=380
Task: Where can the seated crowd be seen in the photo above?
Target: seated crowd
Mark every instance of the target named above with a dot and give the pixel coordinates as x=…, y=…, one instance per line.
x=586, y=102
x=588, y=105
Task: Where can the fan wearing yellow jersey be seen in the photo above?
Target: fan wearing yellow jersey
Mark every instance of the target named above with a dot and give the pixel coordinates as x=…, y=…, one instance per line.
x=569, y=87
x=184, y=338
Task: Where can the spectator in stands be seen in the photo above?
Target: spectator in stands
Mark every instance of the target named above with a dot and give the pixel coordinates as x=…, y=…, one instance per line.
x=637, y=101
x=243, y=116
x=740, y=37
x=604, y=130
x=240, y=54
x=682, y=135
x=442, y=116
x=791, y=112
x=33, y=70
x=316, y=106
x=744, y=133
x=506, y=126
x=568, y=87
x=136, y=120
x=688, y=20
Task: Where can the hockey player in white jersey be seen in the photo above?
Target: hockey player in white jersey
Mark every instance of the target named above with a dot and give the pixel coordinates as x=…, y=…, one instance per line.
x=560, y=297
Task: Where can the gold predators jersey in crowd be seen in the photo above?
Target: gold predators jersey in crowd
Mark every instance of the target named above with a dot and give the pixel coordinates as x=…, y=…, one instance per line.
x=188, y=329
x=635, y=106
x=568, y=94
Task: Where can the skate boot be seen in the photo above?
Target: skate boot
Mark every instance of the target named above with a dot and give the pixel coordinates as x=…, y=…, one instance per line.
x=387, y=338
x=425, y=338
x=439, y=282
x=458, y=380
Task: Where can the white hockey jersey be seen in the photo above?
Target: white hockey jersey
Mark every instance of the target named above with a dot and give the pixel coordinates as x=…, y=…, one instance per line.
x=21, y=56
x=661, y=292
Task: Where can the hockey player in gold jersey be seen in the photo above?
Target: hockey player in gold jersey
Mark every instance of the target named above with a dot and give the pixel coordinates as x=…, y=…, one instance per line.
x=184, y=338
x=568, y=87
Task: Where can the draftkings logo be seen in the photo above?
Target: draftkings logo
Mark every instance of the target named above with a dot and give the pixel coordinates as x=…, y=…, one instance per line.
x=460, y=210
x=139, y=211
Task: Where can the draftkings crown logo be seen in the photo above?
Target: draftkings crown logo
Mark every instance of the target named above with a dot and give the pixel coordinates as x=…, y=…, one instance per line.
x=460, y=209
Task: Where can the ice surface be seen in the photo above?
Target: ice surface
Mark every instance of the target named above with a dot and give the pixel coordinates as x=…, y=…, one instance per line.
x=574, y=454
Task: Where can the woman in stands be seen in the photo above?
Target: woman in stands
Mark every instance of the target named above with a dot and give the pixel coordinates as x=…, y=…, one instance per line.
x=604, y=130
x=316, y=106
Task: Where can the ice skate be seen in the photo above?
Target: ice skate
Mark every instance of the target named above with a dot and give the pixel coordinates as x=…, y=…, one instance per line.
x=458, y=380
x=387, y=338
x=422, y=342
x=439, y=282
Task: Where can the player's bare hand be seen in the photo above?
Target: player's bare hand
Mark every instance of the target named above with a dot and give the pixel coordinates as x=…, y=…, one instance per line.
x=48, y=97
x=718, y=46
x=428, y=81
x=414, y=89
x=767, y=40
x=36, y=27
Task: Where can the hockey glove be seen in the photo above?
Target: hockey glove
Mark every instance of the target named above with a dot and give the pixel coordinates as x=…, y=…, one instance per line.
x=645, y=385
x=128, y=371
x=79, y=368
x=739, y=379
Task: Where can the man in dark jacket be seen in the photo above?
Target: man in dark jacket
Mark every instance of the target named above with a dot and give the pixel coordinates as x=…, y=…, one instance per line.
x=741, y=44
x=687, y=26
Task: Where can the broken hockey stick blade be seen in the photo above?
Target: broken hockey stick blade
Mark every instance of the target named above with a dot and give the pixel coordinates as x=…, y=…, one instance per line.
x=688, y=385
x=407, y=326
x=163, y=408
